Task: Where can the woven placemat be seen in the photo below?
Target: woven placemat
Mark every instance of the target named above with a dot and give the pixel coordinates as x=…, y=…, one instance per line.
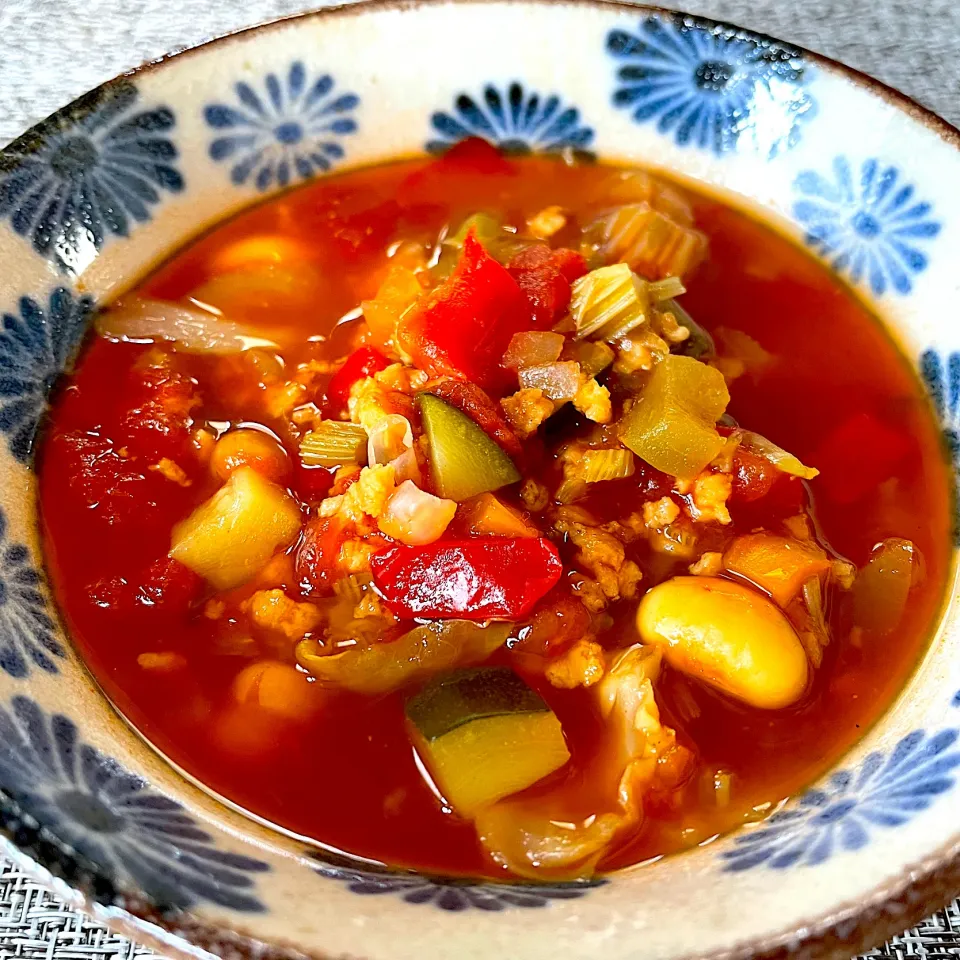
x=46, y=60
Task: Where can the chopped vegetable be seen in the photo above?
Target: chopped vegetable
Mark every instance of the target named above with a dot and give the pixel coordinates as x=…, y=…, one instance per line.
x=650, y=242
x=194, y=329
x=464, y=461
x=388, y=439
x=334, y=443
x=418, y=654
x=558, y=381
x=597, y=465
x=594, y=356
x=470, y=400
x=564, y=834
x=484, y=734
x=672, y=425
x=545, y=276
x=485, y=578
x=487, y=516
x=463, y=327
x=728, y=636
x=817, y=637
x=360, y=364
x=400, y=289
x=415, y=517
x=666, y=289
x=229, y=537
x=778, y=565
x=532, y=348
x=882, y=587
x=609, y=302
x=783, y=461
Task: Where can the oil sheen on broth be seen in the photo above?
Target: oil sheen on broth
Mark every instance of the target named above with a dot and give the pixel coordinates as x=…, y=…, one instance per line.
x=201, y=658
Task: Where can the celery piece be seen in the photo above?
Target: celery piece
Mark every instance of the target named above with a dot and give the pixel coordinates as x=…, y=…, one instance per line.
x=666, y=289
x=609, y=301
x=464, y=461
x=649, y=241
x=484, y=734
x=334, y=443
x=597, y=465
x=672, y=424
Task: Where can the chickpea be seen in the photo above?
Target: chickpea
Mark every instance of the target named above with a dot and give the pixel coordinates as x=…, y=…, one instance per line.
x=278, y=688
x=250, y=448
x=727, y=635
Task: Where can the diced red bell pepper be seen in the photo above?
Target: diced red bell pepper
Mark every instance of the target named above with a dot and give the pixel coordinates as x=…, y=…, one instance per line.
x=464, y=326
x=545, y=277
x=481, y=579
x=362, y=363
x=471, y=401
x=858, y=456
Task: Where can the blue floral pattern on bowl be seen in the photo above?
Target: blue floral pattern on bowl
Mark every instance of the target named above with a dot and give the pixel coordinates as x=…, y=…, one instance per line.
x=869, y=224
x=291, y=129
x=89, y=172
x=886, y=790
x=27, y=634
x=710, y=85
x=36, y=344
x=942, y=378
x=113, y=818
x=452, y=894
x=517, y=121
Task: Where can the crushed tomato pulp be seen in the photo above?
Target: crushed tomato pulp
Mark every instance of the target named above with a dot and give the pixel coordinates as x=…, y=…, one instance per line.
x=495, y=516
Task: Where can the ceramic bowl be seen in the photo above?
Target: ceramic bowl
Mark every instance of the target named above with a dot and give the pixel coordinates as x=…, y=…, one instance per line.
x=97, y=194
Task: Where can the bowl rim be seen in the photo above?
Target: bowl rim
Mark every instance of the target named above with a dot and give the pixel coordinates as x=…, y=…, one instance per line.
x=920, y=889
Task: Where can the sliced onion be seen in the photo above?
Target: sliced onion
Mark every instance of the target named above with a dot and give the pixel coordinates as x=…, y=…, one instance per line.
x=530, y=348
x=196, y=329
x=415, y=517
x=388, y=439
x=406, y=467
x=558, y=381
x=783, y=461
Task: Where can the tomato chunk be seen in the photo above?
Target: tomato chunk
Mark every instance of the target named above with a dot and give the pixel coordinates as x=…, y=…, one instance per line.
x=111, y=487
x=545, y=276
x=362, y=363
x=159, y=423
x=463, y=328
x=317, y=555
x=479, y=579
x=165, y=585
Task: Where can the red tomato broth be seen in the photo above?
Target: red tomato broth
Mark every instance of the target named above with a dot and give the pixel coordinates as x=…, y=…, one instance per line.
x=347, y=777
